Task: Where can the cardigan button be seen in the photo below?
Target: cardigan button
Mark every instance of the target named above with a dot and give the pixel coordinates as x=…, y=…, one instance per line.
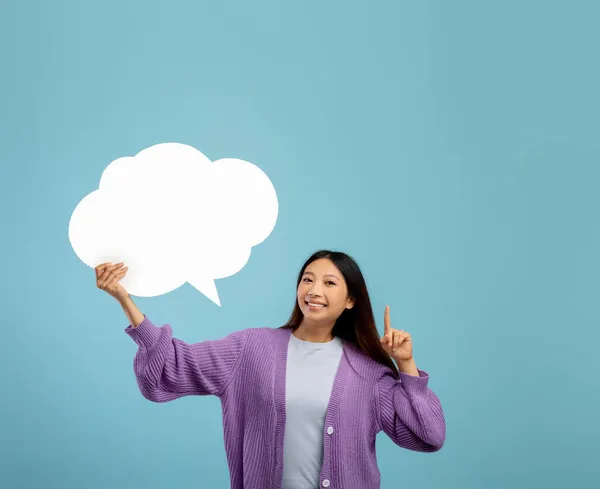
x=326, y=483
x=330, y=430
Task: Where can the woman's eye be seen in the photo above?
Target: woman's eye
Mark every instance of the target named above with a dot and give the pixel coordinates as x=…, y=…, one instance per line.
x=306, y=279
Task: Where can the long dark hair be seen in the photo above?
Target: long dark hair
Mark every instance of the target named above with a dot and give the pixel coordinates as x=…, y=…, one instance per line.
x=356, y=325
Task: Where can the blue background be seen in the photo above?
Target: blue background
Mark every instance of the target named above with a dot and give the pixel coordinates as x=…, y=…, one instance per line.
x=450, y=147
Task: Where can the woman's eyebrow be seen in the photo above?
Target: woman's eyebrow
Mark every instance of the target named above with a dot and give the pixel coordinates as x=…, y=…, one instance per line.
x=326, y=275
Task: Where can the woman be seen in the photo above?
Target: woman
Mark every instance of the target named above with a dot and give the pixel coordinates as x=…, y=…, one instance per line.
x=302, y=404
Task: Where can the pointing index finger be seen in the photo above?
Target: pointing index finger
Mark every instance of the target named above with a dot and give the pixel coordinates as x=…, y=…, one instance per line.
x=386, y=321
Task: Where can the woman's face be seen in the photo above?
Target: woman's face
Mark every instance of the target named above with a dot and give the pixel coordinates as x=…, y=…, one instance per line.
x=323, y=285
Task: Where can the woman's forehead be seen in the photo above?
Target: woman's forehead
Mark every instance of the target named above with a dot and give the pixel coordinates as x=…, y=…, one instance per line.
x=323, y=268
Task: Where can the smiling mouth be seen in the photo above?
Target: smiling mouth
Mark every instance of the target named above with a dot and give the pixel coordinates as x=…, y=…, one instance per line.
x=314, y=304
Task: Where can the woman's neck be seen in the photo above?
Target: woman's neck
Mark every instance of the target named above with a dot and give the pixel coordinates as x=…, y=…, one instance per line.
x=314, y=333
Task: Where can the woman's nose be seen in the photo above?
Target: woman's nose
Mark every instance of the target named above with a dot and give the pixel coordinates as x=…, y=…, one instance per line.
x=314, y=290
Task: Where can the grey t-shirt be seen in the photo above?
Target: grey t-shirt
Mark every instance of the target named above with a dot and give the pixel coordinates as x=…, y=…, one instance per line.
x=310, y=372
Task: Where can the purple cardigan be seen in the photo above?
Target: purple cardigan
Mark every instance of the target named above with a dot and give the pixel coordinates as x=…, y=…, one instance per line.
x=246, y=370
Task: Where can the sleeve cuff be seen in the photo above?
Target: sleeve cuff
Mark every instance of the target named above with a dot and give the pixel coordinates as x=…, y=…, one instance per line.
x=144, y=334
x=413, y=385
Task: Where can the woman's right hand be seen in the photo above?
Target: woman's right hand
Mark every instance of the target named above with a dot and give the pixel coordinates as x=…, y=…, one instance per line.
x=107, y=279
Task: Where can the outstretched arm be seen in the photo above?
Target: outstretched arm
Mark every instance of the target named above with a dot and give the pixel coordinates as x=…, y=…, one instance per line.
x=167, y=368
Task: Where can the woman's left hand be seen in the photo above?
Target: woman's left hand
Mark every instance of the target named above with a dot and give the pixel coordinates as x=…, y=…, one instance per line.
x=396, y=342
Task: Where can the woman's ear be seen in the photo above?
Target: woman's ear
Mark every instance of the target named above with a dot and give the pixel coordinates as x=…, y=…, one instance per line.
x=350, y=303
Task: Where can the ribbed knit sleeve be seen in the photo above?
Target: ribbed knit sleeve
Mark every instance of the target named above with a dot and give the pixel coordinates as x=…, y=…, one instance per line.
x=167, y=368
x=410, y=413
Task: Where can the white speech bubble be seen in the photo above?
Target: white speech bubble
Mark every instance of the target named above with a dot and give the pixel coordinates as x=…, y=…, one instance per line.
x=173, y=216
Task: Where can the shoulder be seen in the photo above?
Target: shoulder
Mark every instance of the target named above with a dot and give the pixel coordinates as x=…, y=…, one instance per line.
x=263, y=345
x=369, y=369
x=265, y=332
x=260, y=337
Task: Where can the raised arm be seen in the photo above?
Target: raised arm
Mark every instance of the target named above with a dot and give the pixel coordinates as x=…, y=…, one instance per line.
x=167, y=368
x=410, y=413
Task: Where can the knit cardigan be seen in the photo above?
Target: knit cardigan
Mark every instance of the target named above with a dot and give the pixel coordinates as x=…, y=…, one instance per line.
x=246, y=370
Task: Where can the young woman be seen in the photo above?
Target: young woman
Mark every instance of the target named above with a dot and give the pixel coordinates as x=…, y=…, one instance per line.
x=302, y=404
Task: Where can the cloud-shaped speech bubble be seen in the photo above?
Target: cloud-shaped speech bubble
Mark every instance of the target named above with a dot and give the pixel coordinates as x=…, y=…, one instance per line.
x=173, y=216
